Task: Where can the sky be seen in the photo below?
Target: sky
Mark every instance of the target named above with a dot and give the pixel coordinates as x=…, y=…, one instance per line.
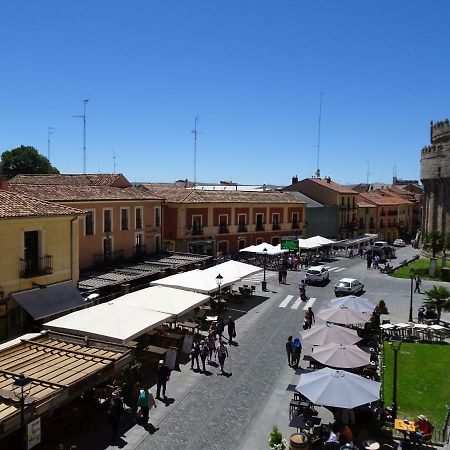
x=251, y=70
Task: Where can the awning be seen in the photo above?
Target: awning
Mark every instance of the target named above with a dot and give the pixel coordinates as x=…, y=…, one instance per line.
x=48, y=301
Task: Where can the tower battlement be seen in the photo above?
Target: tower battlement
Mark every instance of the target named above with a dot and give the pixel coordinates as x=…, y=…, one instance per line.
x=440, y=131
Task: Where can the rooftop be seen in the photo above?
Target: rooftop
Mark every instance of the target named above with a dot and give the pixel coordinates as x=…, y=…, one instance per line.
x=383, y=197
x=96, y=179
x=326, y=182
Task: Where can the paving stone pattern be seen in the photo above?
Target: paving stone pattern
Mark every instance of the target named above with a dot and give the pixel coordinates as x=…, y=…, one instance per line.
x=219, y=411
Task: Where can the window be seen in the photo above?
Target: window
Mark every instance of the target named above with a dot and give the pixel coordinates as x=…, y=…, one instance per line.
x=242, y=219
x=157, y=216
x=259, y=241
x=259, y=222
x=124, y=218
x=197, y=225
x=157, y=244
x=276, y=221
x=89, y=223
x=223, y=223
x=107, y=248
x=107, y=220
x=138, y=217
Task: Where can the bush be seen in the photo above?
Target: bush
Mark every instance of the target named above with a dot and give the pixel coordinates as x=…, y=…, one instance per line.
x=276, y=441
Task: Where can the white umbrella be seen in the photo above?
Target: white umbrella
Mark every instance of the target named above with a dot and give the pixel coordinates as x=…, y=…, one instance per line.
x=326, y=333
x=338, y=388
x=338, y=355
x=353, y=302
x=343, y=315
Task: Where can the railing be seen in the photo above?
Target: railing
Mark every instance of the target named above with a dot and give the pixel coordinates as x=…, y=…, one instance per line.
x=242, y=228
x=259, y=227
x=109, y=257
x=32, y=267
x=295, y=225
x=197, y=229
x=223, y=228
x=276, y=226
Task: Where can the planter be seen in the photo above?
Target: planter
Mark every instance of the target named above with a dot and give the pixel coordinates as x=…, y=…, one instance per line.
x=299, y=441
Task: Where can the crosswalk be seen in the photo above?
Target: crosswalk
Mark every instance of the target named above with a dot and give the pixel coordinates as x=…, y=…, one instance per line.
x=335, y=269
x=258, y=277
x=297, y=302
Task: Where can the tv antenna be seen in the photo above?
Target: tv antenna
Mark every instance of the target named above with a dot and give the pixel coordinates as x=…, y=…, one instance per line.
x=114, y=160
x=85, y=102
x=195, y=132
x=50, y=131
x=318, y=137
x=368, y=172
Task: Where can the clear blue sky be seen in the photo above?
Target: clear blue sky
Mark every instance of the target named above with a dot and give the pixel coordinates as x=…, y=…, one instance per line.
x=252, y=70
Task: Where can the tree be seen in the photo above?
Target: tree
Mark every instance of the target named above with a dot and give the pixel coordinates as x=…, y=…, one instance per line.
x=434, y=241
x=24, y=160
x=438, y=298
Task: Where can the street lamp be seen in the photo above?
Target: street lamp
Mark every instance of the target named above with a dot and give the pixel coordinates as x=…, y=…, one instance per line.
x=18, y=388
x=264, y=282
x=395, y=345
x=219, y=281
x=412, y=274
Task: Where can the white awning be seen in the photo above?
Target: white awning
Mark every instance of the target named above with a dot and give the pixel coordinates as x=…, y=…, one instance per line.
x=313, y=242
x=264, y=248
x=232, y=269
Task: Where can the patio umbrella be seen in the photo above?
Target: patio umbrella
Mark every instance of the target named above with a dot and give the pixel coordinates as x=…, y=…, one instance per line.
x=326, y=333
x=353, y=302
x=338, y=355
x=338, y=388
x=343, y=315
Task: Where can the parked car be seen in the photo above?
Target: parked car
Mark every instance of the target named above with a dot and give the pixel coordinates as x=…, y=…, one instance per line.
x=317, y=274
x=380, y=244
x=399, y=243
x=348, y=286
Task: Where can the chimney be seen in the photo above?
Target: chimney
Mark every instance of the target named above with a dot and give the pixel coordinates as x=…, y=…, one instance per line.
x=3, y=184
x=328, y=179
x=295, y=179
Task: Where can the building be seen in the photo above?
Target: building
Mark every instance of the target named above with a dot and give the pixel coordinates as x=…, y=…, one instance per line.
x=122, y=221
x=435, y=177
x=367, y=217
x=332, y=194
x=394, y=214
x=209, y=221
x=39, y=247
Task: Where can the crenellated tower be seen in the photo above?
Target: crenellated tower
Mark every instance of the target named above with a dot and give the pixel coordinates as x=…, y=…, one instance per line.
x=435, y=177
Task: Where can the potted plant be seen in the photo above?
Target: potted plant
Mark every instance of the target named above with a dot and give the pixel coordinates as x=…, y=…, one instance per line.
x=276, y=441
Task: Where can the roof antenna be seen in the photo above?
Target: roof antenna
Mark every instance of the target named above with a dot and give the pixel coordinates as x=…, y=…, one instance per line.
x=368, y=172
x=318, y=136
x=114, y=160
x=85, y=102
x=49, y=133
x=195, y=132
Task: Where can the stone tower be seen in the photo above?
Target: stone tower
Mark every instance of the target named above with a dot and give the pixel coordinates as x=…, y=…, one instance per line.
x=435, y=176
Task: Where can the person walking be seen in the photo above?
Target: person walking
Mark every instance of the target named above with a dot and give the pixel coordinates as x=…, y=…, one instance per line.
x=220, y=327
x=114, y=412
x=195, y=352
x=309, y=318
x=418, y=283
x=211, y=345
x=146, y=401
x=204, y=351
x=231, y=330
x=222, y=353
x=421, y=315
x=296, y=352
x=163, y=374
x=289, y=350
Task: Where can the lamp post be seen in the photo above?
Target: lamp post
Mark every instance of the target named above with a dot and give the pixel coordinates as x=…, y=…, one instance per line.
x=395, y=345
x=412, y=273
x=18, y=387
x=264, y=282
x=219, y=281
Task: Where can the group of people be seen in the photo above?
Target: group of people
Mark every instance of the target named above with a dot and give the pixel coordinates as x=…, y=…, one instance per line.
x=293, y=351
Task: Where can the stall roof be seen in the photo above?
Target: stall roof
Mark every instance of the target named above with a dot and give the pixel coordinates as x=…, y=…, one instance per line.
x=314, y=242
x=49, y=300
x=232, y=269
x=270, y=249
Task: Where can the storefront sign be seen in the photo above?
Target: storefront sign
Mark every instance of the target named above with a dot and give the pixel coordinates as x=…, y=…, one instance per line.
x=34, y=433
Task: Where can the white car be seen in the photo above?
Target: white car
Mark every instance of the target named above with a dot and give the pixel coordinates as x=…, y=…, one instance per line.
x=348, y=286
x=399, y=243
x=380, y=244
x=317, y=274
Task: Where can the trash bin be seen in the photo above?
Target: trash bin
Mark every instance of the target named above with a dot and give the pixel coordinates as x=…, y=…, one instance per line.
x=264, y=286
x=445, y=274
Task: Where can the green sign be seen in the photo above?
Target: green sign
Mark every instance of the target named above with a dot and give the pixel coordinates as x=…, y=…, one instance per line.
x=289, y=244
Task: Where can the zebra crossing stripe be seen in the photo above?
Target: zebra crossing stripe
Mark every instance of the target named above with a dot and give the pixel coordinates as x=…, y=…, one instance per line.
x=309, y=303
x=285, y=302
x=342, y=268
x=332, y=268
x=297, y=303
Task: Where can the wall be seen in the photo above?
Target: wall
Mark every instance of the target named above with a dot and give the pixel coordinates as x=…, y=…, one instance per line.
x=321, y=222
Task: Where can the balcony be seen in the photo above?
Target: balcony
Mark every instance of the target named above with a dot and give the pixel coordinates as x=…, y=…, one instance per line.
x=34, y=267
x=295, y=225
x=276, y=226
x=259, y=227
x=109, y=257
x=197, y=229
x=242, y=228
x=223, y=228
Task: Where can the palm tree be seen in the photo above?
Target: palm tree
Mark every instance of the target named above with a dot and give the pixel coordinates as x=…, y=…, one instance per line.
x=438, y=298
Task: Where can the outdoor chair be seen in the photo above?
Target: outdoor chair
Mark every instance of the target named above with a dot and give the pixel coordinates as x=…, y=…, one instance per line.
x=252, y=289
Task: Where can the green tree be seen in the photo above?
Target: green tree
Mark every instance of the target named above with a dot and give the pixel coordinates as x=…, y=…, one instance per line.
x=24, y=160
x=434, y=241
x=438, y=298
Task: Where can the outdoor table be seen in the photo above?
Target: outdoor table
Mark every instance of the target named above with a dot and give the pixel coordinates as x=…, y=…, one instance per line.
x=302, y=423
x=404, y=425
x=191, y=326
x=370, y=444
x=154, y=353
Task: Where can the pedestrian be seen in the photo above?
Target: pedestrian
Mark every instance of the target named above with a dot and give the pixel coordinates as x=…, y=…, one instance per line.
x=213, y=329
x=421, y=315
x=195, y=352
x=309, y=318
x=289, y=350
x=284, y=276
x=280, y=274
x=231, y=330
x=302, y=290
x=114, y=411
x=204, y=351
x=418, y=283
x=369, y=261
x=211, y=345
x=222, y=353
x=163, y=374
x=296, y=352
x=146, y=401
x=220, y=327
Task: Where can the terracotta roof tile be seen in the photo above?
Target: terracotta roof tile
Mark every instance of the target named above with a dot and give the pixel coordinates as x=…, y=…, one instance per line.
x=17, y=205
x=175, y=194
x=97, y=179
x=383, y=197
x=332, y=185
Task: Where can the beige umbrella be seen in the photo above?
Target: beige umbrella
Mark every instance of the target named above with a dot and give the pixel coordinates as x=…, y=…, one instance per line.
x=326, y=333
x=343, y=315
x=339, y=355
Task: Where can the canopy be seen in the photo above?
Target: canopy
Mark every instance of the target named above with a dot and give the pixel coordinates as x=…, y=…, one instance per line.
x=353, y=302
x=338, y=388
x=114, y=321
x=232, y=269
x=324, y=334
x=270, y=249
x=313, y=242
x=343, y=315
x=164, y=299
x=339, y=355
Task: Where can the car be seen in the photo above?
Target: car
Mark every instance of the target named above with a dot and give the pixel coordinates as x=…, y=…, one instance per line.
x=317, y=274
x=348, y=286
x=399, y=243
x=380, y=244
